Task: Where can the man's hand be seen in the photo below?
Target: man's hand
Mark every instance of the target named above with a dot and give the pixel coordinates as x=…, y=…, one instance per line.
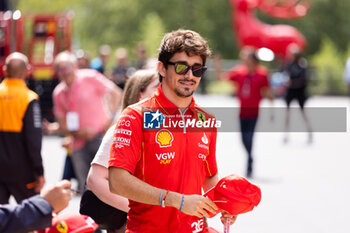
x=199, y=206
x=58, y=196
x=50, y=128
x=39, y=184
x=85, y=133
x=225, y=215
x=67, y=142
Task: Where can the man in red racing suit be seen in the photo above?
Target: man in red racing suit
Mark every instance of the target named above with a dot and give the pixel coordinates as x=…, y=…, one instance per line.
x=161, y=157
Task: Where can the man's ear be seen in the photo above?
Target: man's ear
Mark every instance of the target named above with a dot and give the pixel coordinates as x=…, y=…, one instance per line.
x=161, y=69
x=4, y=70
x=29, y=69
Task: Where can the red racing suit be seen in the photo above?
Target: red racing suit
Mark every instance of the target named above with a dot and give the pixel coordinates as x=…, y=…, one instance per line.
x=174, y=158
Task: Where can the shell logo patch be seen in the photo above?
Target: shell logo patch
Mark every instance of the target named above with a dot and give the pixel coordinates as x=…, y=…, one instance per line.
x=164, y=138
x=62, y=227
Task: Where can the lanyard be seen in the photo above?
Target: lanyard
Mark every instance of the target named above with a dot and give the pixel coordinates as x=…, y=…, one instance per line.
x=71, y=95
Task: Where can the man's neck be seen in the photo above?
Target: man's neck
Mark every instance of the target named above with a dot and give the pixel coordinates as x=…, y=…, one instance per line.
x=180, y=102
x=251, y=68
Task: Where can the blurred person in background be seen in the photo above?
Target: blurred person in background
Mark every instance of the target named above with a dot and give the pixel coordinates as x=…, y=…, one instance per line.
x=85, y=105
x=296, y=71
x=141, y=56
x=122, y=71
x=21, y=166
x=99, y=63
x=83, y=59
x=36, y=212
x=107, y=209
x=252, y=83
x=83, y=62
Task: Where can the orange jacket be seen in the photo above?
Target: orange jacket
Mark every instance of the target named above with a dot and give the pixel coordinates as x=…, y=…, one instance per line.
x=20, y=132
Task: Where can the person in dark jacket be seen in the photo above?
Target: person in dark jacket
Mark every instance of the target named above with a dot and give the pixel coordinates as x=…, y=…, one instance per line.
x=35, y=213
x=21, y=168
x=297, y=71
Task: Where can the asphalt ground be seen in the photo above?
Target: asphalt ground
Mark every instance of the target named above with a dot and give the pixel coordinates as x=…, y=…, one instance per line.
x=305, y=186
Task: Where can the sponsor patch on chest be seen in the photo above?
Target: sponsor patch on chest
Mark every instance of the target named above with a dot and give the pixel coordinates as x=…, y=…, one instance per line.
x=165, y=158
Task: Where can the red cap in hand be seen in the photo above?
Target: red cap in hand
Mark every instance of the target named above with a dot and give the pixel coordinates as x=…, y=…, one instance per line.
x=234, y=194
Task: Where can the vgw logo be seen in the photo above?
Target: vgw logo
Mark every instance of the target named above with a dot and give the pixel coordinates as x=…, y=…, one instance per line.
x=152, y=120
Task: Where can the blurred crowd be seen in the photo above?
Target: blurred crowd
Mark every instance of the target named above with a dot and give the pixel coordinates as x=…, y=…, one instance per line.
x=87, y=103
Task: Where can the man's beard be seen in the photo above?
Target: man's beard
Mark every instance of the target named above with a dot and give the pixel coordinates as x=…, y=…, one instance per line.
x=183, y=93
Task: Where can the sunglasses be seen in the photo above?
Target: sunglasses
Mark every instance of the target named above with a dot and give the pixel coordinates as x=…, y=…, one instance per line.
x=181, y=68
